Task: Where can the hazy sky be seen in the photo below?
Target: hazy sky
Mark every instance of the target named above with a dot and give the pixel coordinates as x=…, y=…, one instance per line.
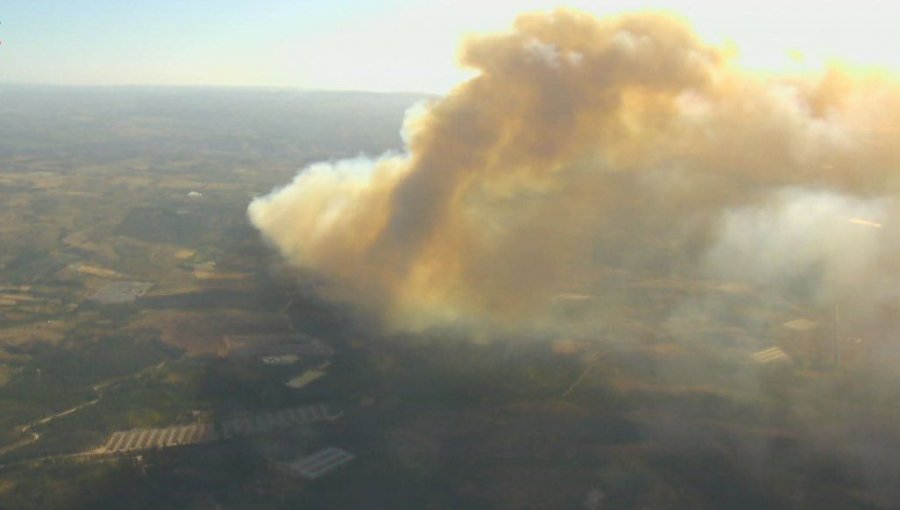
x=381, y=45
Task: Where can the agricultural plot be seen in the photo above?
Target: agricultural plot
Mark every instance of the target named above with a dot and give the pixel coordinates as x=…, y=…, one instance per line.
x=202, y=432
x=276, y=349
x=121, y=292
x=262, y=423
x=143, y=439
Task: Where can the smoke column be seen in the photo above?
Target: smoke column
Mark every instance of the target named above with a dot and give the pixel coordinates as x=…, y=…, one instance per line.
x=585, y=149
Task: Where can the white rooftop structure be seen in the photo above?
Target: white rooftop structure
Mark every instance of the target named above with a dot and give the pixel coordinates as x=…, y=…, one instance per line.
x=321, y=462
x=800, y=325
x=771, y=355
x=284, y=359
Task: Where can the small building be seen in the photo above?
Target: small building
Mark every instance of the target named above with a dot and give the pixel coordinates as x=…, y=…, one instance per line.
x=771, y=355
x=320, y=463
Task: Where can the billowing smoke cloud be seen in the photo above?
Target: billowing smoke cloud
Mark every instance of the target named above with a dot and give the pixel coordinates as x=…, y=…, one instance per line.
x=587, y=151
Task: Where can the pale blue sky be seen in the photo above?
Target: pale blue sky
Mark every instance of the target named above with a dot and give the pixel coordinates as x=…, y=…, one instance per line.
x=375, y=44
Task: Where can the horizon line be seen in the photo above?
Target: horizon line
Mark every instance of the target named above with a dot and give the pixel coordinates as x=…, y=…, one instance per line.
x=268, y=88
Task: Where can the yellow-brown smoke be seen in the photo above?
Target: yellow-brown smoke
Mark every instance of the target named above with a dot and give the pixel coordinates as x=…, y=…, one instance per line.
x=583, y=145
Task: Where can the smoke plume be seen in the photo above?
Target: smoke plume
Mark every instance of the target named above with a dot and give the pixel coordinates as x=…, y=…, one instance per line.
x=590, y=156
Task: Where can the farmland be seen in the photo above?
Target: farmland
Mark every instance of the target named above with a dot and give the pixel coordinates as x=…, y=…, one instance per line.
x=156, y=353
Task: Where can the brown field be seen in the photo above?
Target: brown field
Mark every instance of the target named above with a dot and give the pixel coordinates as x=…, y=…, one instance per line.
x=51, y=332
x=201, y=332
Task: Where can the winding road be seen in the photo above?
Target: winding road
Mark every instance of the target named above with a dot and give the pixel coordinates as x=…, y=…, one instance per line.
x=98, y=389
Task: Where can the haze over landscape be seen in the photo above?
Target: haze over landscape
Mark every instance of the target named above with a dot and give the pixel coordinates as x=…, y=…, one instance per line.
x=604, y=260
